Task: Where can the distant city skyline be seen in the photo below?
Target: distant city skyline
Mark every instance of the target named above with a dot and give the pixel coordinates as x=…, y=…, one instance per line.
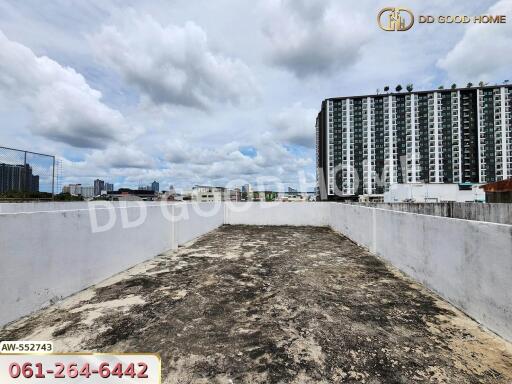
x=66, y=91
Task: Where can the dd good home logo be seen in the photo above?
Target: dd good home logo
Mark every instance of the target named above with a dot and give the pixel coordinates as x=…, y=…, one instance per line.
x=395, y=19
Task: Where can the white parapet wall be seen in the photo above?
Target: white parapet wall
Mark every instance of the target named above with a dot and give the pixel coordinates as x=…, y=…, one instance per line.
x=355, y=222
x=277, y=213
x=44, y=206
x=469, y=263
x=48, y=255
x=195, y=220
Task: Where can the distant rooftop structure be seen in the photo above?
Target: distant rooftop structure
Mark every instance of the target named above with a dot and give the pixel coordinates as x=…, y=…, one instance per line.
x=132, y=194
x=498, y=186
x=498, y=192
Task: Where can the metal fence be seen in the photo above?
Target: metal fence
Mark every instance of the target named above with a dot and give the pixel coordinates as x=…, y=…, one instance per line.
x=26, y=175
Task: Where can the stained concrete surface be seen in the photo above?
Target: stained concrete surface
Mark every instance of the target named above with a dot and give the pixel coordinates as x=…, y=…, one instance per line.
x=255, y=304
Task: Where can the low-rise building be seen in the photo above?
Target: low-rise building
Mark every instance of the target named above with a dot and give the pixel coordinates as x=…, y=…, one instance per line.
x=88, y=192
x=127, y=194
x=235, y=194
x=205, y=194
x=74, y=189
x=434, y=193
x=262, y=196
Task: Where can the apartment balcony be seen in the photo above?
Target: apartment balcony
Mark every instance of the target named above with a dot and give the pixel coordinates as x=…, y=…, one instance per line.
x=265, y=292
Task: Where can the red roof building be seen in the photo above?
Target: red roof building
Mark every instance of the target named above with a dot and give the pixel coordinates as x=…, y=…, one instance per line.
x=498, y=192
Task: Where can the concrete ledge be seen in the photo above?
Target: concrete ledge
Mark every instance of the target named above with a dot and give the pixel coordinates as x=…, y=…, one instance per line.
x=488, y=212
x=469, y=263
x=260, y=213
x=194, y=220
x=45, y=256
x=48, y=255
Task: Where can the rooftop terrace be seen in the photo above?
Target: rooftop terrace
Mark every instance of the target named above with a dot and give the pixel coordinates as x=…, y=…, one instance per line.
x=262, y=304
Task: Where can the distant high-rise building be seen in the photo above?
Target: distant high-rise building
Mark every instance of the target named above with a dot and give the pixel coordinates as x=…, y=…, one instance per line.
x=99, y=185
x=365, y=144
x=87, y=192
x=18, y=178
x=79, y=190
x=155, y=186
x=75, y=189
x=246, y=193
x=247, y=188
x=109, y=187
x=34, y=185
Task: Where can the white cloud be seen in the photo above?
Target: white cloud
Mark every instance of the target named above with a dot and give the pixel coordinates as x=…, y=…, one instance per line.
x=483, y=53
x=295, y=125
x=314, y=37
x=64, y=107
x=219, y=165
x=173, y=65
x=206, y=56
x=121, y=157
x=113, y=164
x=179, y=152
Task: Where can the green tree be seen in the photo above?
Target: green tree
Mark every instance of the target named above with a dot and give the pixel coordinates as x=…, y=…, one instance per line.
x=67, y=197
x=386, y=88
x=398, y=88
x=20, y=195
x=441, y=87
x=409, y=87
x=454, y=86
x=470, y=85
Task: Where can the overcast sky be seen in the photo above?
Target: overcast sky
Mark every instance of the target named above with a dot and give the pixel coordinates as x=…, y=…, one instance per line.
x=211, y=91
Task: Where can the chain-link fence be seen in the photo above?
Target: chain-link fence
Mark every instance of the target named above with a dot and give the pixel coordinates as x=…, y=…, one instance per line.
x=26, y=175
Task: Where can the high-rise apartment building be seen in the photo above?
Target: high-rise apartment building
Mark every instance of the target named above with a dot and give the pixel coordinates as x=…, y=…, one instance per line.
x=99, y=185
x=460, y=135
x=18, y=178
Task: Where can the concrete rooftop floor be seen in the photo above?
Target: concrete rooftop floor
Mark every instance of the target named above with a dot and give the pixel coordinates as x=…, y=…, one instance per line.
x=275, y=305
